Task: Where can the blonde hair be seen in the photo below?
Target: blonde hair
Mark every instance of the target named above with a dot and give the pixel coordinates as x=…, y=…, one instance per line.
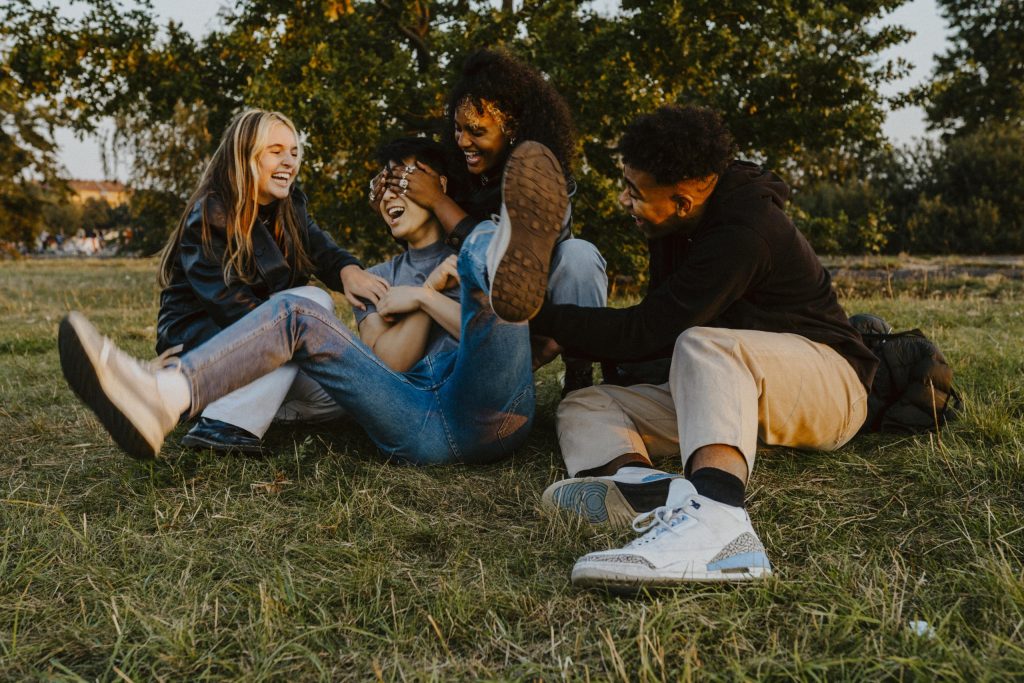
x=232, y=178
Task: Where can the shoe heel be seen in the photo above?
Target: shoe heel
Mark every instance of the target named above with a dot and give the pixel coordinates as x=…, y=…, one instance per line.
x=81, y=376
x=535, y=201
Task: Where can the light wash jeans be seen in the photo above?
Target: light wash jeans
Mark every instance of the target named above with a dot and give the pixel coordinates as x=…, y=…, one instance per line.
x=578, y=275
x=284, y=395
x=471, y=405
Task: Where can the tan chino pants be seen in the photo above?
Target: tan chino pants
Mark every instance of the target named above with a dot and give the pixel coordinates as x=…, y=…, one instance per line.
x=731, y=387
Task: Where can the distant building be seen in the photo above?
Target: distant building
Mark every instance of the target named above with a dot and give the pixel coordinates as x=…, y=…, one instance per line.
x=113, y=192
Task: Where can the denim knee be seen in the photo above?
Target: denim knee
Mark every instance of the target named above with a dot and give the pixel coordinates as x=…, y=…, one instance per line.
x=472, y=263
x=578, y=274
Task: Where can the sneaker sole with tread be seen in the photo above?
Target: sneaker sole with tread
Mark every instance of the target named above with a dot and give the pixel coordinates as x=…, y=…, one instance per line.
x=533, y=192
x=595, y=575
x=595, y=500
x=192, y=441
x=80, y=372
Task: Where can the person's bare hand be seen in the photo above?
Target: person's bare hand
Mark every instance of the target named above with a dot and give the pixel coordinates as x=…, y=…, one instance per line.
x=360, y=284
x=377, y=187
x=420, y=183
x=445, y=275
x=545, y=350
x=400, y=300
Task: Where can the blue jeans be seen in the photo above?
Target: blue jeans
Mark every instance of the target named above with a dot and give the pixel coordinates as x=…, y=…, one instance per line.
x=471, y=405
x=578, y=275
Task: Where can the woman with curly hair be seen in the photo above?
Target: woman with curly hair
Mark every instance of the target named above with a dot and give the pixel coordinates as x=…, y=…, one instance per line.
x=246, y=234
x=497, y=103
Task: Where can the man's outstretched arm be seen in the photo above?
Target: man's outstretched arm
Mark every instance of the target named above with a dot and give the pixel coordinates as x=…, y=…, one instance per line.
x=719, y=270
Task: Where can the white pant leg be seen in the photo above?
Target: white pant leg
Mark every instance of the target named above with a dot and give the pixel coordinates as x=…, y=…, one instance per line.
x=307, y=402
x=254, y=406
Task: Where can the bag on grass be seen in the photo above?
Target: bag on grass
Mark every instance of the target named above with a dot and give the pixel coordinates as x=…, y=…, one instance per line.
x=913, y=388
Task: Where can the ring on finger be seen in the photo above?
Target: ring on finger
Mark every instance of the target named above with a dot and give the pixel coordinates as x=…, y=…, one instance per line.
x=404, y=184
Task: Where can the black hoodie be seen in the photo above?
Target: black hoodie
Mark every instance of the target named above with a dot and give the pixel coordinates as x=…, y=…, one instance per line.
x=743, y=266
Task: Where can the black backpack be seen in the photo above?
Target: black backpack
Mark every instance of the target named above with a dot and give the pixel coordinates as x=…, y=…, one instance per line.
x=913, y=388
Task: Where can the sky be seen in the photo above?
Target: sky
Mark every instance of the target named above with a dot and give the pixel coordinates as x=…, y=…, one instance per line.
x=82, y=158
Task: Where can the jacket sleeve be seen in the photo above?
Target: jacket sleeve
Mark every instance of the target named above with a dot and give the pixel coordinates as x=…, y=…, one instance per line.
x=719, y=269
x=328, y=258
x=225, y=303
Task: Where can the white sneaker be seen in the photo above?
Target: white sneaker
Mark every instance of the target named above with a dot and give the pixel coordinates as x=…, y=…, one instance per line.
x=691, y=538
x=121, y=390
x=616, y=499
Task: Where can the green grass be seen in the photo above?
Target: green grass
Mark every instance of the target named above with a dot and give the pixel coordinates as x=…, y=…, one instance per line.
x=320, y=562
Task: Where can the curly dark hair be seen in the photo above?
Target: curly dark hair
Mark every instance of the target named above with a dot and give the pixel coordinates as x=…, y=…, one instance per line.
x=678, y=143
x=422, y=149
x=537, y=111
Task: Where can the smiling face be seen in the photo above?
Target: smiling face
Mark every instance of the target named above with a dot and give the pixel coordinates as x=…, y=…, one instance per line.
x=481, y=135
x=277, y=164
x=662, y=209
x=655, y=208
x=408, y=220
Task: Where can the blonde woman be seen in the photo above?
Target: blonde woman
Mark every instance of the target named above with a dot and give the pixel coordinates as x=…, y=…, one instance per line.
x=246, y=234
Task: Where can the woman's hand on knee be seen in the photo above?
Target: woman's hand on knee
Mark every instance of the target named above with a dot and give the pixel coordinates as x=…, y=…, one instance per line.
x=360, y=285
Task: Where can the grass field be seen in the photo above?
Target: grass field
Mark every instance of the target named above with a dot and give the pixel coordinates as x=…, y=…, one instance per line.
x=321, y=563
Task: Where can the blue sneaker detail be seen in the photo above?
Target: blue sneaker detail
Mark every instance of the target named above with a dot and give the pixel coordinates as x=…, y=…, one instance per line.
x=658, y=477
x=584, y=498
x=741, y=561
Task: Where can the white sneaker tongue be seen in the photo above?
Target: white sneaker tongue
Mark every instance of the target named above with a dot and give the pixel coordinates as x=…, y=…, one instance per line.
x=678, y=491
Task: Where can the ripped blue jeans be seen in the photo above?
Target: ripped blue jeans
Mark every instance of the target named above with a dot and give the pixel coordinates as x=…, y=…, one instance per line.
x=471, y=405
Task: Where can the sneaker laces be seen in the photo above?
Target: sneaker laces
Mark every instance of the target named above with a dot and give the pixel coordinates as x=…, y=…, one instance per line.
x=659, y=520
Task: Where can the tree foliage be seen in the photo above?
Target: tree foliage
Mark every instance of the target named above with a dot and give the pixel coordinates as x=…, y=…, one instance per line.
x=971, y=198
x=980, y=79
x=798, y=82
x=29, y=171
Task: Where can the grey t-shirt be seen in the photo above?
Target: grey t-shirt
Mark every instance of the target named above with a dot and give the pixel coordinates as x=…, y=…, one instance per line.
x=412, y=268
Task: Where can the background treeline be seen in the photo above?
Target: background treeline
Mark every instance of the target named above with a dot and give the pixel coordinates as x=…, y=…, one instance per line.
x=798, y=81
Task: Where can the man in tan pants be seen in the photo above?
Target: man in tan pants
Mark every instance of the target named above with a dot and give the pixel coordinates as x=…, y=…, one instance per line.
x=760, y=351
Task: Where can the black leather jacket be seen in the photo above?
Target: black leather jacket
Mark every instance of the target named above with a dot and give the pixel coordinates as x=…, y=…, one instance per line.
x=197, y=303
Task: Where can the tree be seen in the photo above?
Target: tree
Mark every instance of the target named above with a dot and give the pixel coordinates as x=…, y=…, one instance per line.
x=980, y=79
x=971, y=196
x=798, y=82
x=28, y=162
x=847, y=218
x=62, y=217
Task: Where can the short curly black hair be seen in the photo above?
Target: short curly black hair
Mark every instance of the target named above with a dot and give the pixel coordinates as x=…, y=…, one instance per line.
x=678, y=143
x=537, y=111
x=422, y=149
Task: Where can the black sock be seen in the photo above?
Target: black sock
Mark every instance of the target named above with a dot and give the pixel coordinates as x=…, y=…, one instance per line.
x=616, y=464
x=718, y=485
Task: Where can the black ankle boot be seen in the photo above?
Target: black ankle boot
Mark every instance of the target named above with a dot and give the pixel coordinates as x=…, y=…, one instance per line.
x=222, y=437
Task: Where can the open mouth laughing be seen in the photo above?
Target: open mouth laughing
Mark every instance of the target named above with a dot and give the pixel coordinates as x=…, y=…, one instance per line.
x=394, y=212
